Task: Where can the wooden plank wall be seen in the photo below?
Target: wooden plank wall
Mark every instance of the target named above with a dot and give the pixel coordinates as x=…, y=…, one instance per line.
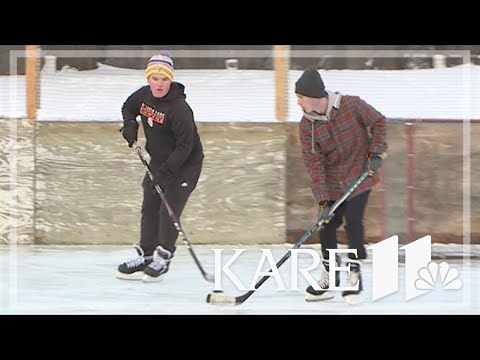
x=16, y=181
x=79, y=183
x=89, y=185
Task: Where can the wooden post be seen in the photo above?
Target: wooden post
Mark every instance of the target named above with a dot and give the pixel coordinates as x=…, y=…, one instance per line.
x=281, y=58
x=31, y=74
x=410, y=129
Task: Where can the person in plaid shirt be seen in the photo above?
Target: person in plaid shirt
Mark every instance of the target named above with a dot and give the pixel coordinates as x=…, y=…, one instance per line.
x=341, y=136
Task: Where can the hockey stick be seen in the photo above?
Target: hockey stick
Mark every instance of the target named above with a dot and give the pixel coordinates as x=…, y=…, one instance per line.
x=176, y=222
x=222, y=299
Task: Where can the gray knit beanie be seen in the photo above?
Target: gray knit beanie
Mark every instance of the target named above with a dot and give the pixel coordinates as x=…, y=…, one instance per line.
x=310, y=84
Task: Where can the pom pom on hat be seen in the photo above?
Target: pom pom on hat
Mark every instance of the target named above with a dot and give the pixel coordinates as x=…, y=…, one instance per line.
x=310, y=84
x=161, y=64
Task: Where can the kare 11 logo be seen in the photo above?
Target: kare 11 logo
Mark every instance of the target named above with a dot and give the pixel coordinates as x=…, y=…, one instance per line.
x=421, y=273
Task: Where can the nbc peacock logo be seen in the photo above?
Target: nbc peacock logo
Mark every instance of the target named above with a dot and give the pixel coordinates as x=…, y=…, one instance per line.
x=435, y=276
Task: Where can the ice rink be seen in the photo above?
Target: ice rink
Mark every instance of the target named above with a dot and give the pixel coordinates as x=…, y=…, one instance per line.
x=82, y=280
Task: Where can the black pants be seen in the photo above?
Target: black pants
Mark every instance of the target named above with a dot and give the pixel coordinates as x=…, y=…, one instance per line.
x=156, y=225
x=352, y=210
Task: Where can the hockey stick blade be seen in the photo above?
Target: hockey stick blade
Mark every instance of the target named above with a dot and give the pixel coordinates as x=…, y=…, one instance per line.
x=221, y=299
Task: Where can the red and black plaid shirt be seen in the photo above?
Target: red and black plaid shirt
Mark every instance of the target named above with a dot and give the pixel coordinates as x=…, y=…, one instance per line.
x=341, y=147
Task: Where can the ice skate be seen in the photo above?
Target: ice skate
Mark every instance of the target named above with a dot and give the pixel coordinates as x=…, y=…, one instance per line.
x=354, y=278
x=324, y=283
x=133, y=269
x=156, y=270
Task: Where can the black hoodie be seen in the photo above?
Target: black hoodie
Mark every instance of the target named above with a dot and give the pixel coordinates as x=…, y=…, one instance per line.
x=170, y=130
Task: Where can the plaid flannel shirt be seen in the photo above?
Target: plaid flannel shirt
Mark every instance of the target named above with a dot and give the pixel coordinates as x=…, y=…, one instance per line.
x=335, y=152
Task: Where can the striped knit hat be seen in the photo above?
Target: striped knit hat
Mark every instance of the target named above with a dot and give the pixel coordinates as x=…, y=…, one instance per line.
x=160, y=64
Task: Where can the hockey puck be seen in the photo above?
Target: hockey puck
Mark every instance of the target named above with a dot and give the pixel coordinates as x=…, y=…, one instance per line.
x=218, y=291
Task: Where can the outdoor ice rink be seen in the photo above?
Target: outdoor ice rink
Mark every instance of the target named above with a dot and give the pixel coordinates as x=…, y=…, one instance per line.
x=64, y=173
x=82, y=280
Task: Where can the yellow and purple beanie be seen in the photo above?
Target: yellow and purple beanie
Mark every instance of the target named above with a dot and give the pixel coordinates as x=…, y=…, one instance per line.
x=160, y=64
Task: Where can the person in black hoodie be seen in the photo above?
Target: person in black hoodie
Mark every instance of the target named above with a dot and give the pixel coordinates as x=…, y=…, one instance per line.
x=176, y=157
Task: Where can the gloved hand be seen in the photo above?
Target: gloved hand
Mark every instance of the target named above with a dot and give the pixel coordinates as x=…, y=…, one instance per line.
x=323, y=212
x=130, y=132
x=374, y=162
x=162, y=176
